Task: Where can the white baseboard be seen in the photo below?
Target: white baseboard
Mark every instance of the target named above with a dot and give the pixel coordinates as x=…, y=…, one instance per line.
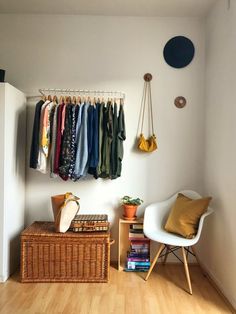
x=221, y=289
x=3, y=278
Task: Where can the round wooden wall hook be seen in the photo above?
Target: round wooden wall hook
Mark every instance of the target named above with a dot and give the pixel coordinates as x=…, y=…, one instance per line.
x=147, y=77
x=180, y=102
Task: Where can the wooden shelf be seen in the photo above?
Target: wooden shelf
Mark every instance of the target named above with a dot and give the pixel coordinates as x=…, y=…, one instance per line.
x=124, y=243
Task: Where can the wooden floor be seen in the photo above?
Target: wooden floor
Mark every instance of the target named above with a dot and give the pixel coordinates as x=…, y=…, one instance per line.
x=164, y=292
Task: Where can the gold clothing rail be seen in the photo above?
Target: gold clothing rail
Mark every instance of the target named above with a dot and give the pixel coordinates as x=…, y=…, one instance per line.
x=82, y=93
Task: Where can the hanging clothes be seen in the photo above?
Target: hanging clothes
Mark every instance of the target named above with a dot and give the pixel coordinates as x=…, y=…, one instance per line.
x=77, y=132
x=43, y=137
x=94, y=141
x=53, y=141
x=73, y=146
x=66, y=154
x=100, y=139
x=107, y=140
x=58, y=139
x=114, y=146
x=121, y=139
x=90, y=132
x=82, y=145
x=74, y=139
x=35, y=136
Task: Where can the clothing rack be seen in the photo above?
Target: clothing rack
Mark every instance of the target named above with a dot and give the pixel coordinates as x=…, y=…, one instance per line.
x=78, y=134
x=82, y=92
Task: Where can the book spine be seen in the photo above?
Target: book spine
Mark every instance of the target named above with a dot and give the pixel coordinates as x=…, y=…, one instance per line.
x=133, y=266
x=136, y=270
x=140, y=246
x=138, y=263
x=142, y=249
x=137, y=259
x=144, y=241
x=139, y=236
x=136, y=226
x=138, y=255
x=136, y=230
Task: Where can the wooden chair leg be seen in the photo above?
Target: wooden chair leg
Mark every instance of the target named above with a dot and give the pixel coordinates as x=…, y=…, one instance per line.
x=166, y=254
x=187, y=254
x=155, y=259
x=186, y=270
x=194, y=252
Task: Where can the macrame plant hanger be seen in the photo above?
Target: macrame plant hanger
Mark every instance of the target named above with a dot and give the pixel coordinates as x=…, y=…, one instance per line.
x=150, y=144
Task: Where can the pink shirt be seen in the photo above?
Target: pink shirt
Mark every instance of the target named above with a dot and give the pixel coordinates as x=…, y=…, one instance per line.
x=63, y=119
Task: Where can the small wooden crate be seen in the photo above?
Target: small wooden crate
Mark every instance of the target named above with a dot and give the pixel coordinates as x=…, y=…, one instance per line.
x=47, y=256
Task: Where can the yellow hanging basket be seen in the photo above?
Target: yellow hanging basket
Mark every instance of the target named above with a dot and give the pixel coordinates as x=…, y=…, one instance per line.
x=150, y=144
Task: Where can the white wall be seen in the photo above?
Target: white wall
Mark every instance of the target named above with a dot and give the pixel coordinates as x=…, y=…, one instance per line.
x=113, y=53
x=2, y=187
x=12, y=194
x=218, y=245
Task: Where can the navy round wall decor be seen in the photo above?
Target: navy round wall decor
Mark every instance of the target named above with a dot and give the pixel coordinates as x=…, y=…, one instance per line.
x=179, y=52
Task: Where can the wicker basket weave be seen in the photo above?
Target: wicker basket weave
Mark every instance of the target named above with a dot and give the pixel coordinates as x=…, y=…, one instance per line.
x=90, y=223
x=47, y=256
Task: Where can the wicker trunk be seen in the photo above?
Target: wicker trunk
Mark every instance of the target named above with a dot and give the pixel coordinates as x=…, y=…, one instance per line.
x=47, y=256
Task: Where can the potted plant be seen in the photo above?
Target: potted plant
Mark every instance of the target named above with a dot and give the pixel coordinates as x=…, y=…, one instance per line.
x=130, y=206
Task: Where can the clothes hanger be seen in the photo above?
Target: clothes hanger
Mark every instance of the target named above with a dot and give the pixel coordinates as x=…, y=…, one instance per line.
x=67, y=100
x=54, y=99
x=74, y=100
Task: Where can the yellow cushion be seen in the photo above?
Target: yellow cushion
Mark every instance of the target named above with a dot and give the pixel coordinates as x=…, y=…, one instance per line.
x=185, y=215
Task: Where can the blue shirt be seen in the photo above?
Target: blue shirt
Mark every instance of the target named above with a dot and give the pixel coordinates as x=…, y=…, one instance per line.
x=82, y=145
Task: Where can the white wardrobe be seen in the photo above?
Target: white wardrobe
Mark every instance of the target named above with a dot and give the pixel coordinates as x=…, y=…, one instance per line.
x=12, y=176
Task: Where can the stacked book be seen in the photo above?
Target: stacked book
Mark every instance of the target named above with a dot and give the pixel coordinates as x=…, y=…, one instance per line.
x=138, y=257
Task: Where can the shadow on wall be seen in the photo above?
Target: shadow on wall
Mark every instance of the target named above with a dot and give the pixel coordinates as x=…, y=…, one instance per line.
x=18, y=170
x=19, y=148
x=115, y=236
x=14, y=253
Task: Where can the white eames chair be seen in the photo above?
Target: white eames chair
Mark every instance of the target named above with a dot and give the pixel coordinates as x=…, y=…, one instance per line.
x=154, y=220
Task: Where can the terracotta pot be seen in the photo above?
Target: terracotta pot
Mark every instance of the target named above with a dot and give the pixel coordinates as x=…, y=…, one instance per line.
x=130, y=211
